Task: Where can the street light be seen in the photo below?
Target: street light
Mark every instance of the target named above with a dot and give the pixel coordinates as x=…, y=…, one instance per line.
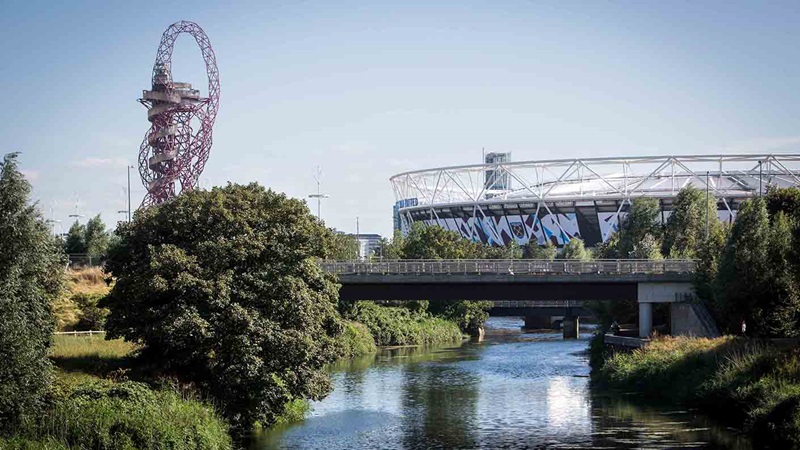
x=707, y=212
x=129, y=167
x=319, y=195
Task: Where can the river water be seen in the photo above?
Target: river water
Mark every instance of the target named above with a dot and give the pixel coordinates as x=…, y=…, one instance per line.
x=514, y=390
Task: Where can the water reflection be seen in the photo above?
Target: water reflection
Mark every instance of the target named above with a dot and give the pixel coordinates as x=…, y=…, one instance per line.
x=512, y=391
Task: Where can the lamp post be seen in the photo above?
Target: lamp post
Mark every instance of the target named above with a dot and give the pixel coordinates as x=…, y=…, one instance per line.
x=707, y=211
x=129, y=167
x=319, y=195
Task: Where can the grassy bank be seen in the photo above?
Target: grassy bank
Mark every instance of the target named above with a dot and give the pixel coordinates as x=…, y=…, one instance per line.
x=92, y=405
x=750, y=384
x=391, y=325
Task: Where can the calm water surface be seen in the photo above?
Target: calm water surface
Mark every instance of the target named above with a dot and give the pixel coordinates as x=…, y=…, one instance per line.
x=513, y=390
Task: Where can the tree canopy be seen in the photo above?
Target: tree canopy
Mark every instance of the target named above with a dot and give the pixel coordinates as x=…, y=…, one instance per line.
x=221, y=288
x=91, y=239
x=31, y=269
x=685, y=230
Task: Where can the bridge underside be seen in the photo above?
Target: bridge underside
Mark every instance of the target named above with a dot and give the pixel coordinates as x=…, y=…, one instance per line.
x=488, y=291
x=545, y=311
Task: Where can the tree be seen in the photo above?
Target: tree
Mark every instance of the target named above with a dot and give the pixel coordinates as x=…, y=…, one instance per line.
x=76, y=239
x=96, y=237
x=432, y=242
x=341, y=246
x=685, y=229
x=222, y=289
x=532, y=250
x=639, y=234
x=31, y=271
x=394, y=249
x=743, y=269
x=575, y=249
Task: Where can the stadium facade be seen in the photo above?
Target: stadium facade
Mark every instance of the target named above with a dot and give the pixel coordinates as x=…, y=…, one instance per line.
x=556, y=200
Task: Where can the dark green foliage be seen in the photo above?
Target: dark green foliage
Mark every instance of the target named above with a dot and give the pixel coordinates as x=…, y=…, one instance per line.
x=96, y=237
x=31, y=274
x=757, y=281
x=222, y=289
x=575, y=249
x=639, y=235
x=76, y=239
x=432, y=242
x=532, y=250
x=685, y=230
x=469, y=315
x=391, y=325
x=91, y=239
x=91, y=316
x=394, y=249
x=341, y=247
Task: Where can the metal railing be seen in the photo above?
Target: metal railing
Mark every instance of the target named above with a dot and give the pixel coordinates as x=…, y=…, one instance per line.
x=510, y=267
x=78, y=333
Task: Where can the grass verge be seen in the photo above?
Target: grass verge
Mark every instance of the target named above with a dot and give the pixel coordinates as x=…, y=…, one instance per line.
x=748, y=383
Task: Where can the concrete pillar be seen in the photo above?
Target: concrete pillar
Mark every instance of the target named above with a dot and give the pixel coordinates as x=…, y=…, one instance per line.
x=645, y=319
x=537, y=323
x=570, y=327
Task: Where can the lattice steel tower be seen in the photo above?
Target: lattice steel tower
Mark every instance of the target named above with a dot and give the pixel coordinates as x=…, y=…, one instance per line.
x=176, y=147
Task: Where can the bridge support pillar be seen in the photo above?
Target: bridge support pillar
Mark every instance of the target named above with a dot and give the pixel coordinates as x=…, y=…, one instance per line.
x=537, y=323
x=645, y=319
x=570, y=327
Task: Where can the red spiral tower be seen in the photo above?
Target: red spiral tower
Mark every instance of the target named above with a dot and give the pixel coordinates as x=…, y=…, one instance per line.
x=176, y=147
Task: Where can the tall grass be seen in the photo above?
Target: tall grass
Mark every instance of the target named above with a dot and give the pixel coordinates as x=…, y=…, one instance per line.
x=129, y=415
x=90, y=354
x=749, y=383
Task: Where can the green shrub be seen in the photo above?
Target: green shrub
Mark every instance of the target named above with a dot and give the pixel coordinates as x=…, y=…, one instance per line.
x=749, y=383
x=90, y=316
x=356, y=340
x=391, y=325
x=23, y=443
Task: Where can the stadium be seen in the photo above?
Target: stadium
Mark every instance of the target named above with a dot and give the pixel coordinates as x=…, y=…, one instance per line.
x=500, y=202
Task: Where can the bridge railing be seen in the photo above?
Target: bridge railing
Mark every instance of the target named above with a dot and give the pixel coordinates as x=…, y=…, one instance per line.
x=509, y=267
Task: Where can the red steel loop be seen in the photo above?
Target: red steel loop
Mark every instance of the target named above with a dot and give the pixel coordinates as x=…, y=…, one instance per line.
x=176, y=147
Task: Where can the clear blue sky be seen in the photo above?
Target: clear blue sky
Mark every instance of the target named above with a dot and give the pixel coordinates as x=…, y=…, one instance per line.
x=370, y=89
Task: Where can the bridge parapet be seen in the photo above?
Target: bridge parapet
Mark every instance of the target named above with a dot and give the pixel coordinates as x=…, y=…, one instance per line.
x=511, y=267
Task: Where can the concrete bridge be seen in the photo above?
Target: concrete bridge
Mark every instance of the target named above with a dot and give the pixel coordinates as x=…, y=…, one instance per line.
x=646, y=281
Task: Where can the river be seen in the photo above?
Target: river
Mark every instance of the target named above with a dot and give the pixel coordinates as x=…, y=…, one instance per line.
x=514, y=390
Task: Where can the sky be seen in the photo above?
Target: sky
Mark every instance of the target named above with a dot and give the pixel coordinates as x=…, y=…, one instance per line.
x=370, y=89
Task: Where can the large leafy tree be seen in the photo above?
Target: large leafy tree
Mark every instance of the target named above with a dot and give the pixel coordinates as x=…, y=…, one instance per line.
x=76, y=239
x=743, y=269
x=96, y=237
x=91, y=239
x=432, y=242
x=341, y=246
x=685, y=230
x=222, y=289
x=31, y=272
x=640, y=233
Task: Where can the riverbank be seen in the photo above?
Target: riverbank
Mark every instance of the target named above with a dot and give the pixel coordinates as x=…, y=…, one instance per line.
x=92, y=404
x=750, y=384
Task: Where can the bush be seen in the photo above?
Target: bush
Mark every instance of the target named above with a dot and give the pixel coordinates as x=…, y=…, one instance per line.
x=356, y=340
x=90, y=316
x=222, y=289
x=745, y=382
x=31, y=273
x=391, y=325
